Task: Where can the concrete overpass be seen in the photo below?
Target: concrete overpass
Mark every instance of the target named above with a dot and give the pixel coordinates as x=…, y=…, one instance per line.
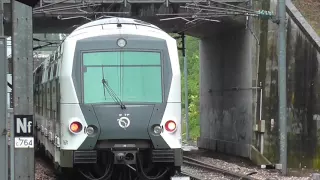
x=237, y=55
x=64, y=17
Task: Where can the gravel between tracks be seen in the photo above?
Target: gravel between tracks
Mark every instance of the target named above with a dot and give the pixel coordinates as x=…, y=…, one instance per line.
x=44, y=170
x=238, y=165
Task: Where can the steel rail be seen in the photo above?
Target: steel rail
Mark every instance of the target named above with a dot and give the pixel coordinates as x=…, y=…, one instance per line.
x=193, y=162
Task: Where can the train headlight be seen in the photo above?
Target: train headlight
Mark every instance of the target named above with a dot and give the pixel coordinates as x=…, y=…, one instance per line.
x=157, y=129
x=171, y=126
x=90, y=130
x=121, y=42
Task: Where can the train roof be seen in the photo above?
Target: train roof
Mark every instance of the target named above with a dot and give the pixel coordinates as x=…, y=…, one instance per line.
x=116, y=20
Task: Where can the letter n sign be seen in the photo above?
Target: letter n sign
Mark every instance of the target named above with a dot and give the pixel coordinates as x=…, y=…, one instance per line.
x=23, y=125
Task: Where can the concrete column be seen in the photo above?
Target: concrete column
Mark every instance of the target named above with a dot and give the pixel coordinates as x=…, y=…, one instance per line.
x=226, y=111
x=210, y=90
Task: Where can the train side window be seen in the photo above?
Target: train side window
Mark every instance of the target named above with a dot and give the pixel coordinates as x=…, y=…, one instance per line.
x=49, y=73
x=44, y=75
x=40, y=76
x=45, y=101
x=51, y=58
x=56, y=54
x=40, y=103
x=55, y=70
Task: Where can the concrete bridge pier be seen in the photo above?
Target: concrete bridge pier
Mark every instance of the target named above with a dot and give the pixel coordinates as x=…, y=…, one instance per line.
x=226, y=103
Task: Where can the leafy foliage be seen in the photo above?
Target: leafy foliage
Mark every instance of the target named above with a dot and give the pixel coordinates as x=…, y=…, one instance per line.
x=192, y=54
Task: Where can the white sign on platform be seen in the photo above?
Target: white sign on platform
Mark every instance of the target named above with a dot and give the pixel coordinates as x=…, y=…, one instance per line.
x=24, y=142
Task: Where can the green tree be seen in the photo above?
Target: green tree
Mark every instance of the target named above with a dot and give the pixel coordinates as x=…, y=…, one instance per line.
x=193, y=86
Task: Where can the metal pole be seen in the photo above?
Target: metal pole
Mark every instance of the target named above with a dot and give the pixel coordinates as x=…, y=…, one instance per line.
x=3, y=109
x=3, y=99
x=260, y=118
x=22, y=124
x=282, y=86
x=186, y=85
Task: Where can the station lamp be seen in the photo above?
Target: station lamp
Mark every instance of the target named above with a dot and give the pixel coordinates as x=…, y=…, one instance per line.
x=31, y=3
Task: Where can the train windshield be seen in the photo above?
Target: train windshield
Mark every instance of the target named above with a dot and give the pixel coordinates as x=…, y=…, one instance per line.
x=133, y=77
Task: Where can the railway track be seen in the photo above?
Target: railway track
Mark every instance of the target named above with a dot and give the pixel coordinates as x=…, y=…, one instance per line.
x=196, y=163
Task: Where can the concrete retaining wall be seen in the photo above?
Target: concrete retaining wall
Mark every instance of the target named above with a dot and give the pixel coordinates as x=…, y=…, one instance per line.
x=303, y=95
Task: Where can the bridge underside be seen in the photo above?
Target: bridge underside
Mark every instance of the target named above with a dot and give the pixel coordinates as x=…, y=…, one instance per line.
x=56, y=20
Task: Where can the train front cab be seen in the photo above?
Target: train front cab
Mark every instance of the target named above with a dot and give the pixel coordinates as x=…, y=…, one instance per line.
x=130, y=99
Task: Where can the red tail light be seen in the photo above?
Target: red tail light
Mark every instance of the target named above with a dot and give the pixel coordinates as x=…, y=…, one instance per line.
x=75, y=127
x=170, y=126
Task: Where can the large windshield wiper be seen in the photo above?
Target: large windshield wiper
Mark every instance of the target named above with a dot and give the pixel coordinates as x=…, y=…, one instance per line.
x=111, y=92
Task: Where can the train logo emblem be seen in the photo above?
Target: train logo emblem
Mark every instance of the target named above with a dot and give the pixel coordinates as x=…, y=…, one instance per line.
x=124, y=122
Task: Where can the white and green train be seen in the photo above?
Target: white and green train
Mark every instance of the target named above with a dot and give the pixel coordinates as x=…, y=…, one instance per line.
x=109, y=98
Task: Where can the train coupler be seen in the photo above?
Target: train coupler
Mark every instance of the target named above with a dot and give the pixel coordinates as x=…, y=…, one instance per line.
x=124, y=157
